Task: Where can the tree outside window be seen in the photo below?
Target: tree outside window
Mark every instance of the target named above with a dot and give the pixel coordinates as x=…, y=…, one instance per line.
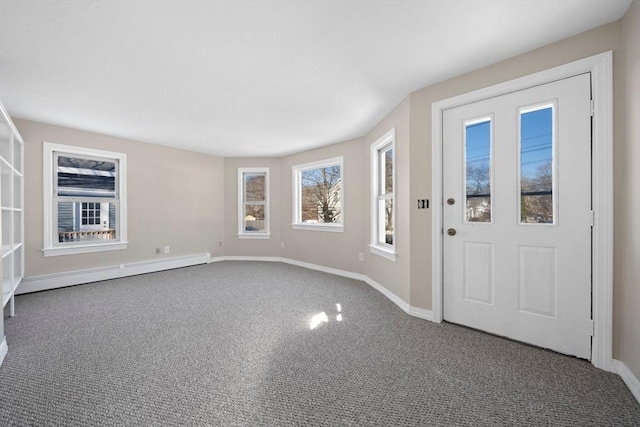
x=318, y=195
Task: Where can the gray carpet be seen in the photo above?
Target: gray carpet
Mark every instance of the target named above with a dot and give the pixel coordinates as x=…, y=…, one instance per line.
x=230, y=344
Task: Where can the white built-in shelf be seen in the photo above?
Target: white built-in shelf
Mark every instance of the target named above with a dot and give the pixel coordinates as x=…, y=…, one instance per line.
x=11, y=208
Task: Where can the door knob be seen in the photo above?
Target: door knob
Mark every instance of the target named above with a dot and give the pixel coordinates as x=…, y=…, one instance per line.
x=451, y=201
x=451, y=232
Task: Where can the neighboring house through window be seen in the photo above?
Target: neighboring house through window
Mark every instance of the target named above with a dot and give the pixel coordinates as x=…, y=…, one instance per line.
x=318, y=195
x=383, y=206
x=253, y=203
x=85, y=200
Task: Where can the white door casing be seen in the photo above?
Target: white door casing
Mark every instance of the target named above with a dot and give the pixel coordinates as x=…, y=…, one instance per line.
x=601, y=68
x=521, y=279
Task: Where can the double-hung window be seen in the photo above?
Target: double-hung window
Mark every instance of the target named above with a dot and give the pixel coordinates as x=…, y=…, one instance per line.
x=85, y=200
x=383, y=206
x=253, y=203
x=318, y=190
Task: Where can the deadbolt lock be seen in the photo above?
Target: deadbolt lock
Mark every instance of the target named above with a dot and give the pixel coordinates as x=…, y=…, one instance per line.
x=451, y=201
x=451, y=232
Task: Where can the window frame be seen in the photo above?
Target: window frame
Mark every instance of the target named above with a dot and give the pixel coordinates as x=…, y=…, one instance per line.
x=242, y=232
x=296, y=223
x=377, y=149
x=51, y=248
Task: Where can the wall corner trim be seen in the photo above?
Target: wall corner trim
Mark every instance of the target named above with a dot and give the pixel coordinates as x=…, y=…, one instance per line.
x=4, y=349
x=78, y=277
x=618, y=367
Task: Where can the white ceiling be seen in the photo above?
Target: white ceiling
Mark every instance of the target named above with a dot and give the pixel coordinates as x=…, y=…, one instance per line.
x=256, y=78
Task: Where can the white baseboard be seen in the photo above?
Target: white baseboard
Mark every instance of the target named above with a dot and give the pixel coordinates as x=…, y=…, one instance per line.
x=69, y=278
x=4, y=349
x=618, y=367
x=387, y=293
x=422, y=313
x=250, y=258
x=412, y=311
x=343, y=273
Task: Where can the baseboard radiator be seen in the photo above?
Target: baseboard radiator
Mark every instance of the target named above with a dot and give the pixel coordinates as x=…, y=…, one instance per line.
x=77, y=277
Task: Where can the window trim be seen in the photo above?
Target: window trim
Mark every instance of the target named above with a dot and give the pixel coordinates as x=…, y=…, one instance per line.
x=48, y=154
x=242, y=233
x=296, y=199
x=386, y=141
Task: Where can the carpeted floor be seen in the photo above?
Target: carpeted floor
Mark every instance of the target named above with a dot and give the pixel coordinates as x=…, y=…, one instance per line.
x=231, y=344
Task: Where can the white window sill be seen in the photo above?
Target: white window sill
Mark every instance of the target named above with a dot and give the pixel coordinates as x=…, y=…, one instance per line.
x=383, y=252
x=334, y=228
x=81, y=249
x=263, y=236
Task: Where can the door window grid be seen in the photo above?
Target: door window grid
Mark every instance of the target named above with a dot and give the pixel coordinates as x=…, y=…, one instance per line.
x=90, y=213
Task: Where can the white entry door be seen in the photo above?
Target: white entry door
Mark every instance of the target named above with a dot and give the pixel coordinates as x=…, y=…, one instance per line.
x=517, y=215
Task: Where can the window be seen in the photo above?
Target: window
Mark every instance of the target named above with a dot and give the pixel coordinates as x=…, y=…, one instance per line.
x=537, y=179
x=85, y=205
x=253, y=203
x=383, y=207
x=91, y=214
x=477, y=153
x=318, y=196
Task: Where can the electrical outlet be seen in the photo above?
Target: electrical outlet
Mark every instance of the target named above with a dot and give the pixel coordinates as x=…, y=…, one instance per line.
x=360, y=256
x=220, y=244
x=166, y=249
x=282, y=245
x=158, y=251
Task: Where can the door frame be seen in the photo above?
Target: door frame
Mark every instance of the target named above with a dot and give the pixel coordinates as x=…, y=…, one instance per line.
x=601, y=68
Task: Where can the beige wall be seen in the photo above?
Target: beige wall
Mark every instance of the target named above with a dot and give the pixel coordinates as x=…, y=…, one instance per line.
x=626, y=320
x=622, y=38
x=175, y=198
x=590, y=43
x=395, y=276
x=335, y=250
x=201, y=197
x=251, y=247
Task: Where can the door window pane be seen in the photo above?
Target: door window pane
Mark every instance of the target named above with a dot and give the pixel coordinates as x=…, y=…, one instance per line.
x=536, y=166
x=478, y=170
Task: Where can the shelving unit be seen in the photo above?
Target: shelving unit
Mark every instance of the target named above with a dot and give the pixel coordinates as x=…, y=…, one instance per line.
x=11, y=208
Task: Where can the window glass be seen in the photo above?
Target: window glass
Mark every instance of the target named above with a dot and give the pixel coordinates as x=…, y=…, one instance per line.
x=253, y=194
x=536, y=165
x=85, y=177
x=320, y=190
x=85, y=207
x=318, y=195
x=81, y=184
x=478, y=170
x=383, y=237
x=388, y=170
